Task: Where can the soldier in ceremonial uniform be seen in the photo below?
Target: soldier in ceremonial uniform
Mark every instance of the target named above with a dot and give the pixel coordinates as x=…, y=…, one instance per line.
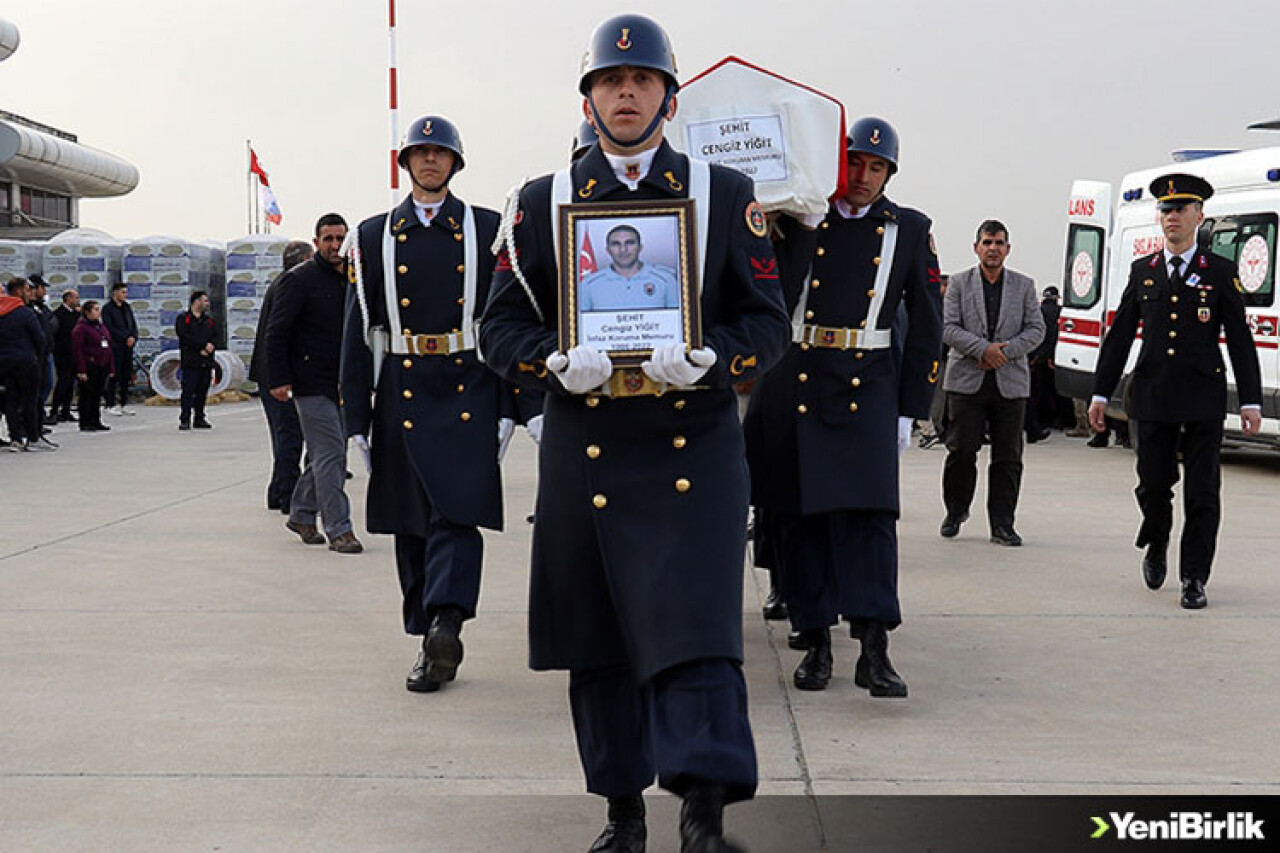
x=629, y=283
x=823, y=427
x=638, y=545
x=1186, y=297
x=415, y=390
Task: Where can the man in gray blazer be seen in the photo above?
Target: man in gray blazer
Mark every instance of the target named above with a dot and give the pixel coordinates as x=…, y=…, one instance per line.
x=991, y=320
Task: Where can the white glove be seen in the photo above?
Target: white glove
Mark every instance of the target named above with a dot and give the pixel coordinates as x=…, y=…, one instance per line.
x=904, y=435
x=534, y=426
x=362, y=444
x=581, y=369
x=506, y=429
x=670, y=365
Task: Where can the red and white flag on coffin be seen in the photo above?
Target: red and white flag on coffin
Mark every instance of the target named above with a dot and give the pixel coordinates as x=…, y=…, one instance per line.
x=586, y=257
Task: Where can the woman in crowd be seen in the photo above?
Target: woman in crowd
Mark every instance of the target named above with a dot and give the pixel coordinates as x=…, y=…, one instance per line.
x=91, y=350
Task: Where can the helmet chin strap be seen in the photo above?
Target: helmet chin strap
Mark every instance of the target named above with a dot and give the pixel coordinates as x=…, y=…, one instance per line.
x=427, y=189
x=648, y=131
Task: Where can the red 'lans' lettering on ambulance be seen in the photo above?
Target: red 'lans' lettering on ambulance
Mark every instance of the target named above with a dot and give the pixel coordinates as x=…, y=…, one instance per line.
x=1080, y=207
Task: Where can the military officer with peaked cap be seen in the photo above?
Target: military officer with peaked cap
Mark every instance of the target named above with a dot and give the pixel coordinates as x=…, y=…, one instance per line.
x=1186, y=299
x=823, y=426
x=414, y=385
x=641, y=520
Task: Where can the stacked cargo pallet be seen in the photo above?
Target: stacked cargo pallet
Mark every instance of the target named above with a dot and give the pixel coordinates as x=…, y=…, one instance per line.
x=253, y=263
x=161, y=273
x=19, y=259
x=82, y=259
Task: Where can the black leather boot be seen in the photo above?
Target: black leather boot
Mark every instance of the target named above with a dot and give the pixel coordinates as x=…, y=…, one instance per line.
x=442, y=645
x=702, y=821
x=625, y=832
x=417, y=680
x=814, y=672
x=1155, y=565
x=874, y=672
x=775, y=609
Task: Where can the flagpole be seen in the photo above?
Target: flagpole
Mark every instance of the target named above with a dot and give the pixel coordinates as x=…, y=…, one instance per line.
x=393, y=96
x=248, y=154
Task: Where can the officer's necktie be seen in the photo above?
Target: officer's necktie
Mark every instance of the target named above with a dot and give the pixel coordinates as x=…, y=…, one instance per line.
x=1176, y=277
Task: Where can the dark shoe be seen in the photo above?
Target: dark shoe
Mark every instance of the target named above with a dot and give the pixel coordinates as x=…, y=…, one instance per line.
x=183, y=425
x=1099, y=440
x=274, y=503
x=796, y=641
x=50, y=419
x=202, y=424
x=1154, y=566
x=285, y=508
x=347, y=543
x=417, y=682
x=1193, y=597
x=874, y=671
x=1033, y=437
x=951, y=525
x=306, y=532
x=625, y=832
x=814, y=672
x=702, y=821
x=66, y=417
x=443, y=646
x=1006, y=536
x=775, y=609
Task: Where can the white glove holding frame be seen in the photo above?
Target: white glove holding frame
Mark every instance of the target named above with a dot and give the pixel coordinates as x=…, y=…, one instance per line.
x=581, y=369
x=670, y=364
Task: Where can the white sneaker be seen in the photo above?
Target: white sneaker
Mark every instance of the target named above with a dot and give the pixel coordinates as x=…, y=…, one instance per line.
x=129, y=412
x=115, y=410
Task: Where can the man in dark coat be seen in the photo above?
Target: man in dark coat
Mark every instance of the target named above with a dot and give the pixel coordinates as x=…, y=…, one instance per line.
x=1186, y=299
x=197, y=332
x=282, y=418
x=21, y=342
x=823, y=428
x=65, y=317
x=422, y=275
x=1042, y=405
x=117, y=316
x=640, y=528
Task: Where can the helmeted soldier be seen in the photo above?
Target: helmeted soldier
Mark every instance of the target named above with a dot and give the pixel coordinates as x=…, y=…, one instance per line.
x=413, y=385
x=583, y=140
x=824, y=425
x=638, y=544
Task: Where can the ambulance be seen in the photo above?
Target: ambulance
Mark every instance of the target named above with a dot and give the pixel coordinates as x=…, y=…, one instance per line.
x=1108, y=228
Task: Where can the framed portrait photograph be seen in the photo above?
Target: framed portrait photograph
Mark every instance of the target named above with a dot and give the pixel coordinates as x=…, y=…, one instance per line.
x=628, y=281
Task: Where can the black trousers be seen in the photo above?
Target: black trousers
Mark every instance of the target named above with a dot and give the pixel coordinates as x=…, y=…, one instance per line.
x=1201, y=445
x=64, y=389
x=195, y=388
x=22, y=410
x=286, y=448
x=687, y=725
x=841, y=563
x=118, y=385
x=971, y=415
x=439, y=570
x=91, y=396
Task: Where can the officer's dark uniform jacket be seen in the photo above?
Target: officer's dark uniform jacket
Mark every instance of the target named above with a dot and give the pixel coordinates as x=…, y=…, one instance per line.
x=1179, y=376
x=433, y=429
x=194, y=334
x=643, y=499
x=822, y=426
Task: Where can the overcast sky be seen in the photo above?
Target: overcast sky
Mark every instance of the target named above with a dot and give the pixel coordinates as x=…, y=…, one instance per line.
x=1000, y=104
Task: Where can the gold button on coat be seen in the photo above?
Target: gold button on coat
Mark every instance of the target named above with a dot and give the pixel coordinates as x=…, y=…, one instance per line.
x=593, y=451
x=858, y=355
x=855, y=381
x=592, y=402
x=821, y=251
x=1173, y=316
x=802, y=408
x=680, y=404
x=875, y=261
x=402, y=269
x=406, y=332
x=824, y=226
x=458, y=362
x=408, y=362
x=880, y=229
x=683, y=485
x=462, y=301
x=600, y=502
x=404, y=302
x=804, y=347
x=1170, y=350
x=466, y=416
x=402, y=237
x=407, y=394
x=1173, y=333
x=808, y=315
x=853, y=407
x=862, y=324
x=457, y=237
x=815, y=283
x=678, y=442
x=803, y=377
x=407, y=424
x=870, y=293
x=462, y=388
x=462, y=267
x=1173, y=299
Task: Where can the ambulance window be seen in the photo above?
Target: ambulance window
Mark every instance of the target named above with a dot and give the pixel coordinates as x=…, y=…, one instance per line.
x=1083, y=273
x=1250, y=241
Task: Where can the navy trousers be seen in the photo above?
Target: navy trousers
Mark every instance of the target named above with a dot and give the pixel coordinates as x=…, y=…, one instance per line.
x=687, y=725
x=439, y=570
x=286, y=448
x=1158, y=446
x=840, y=563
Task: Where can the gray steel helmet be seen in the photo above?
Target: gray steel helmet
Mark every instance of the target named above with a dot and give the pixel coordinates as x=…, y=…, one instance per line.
x=432, y=130
x=629, y=40
x=871, y=135
x=583, y=140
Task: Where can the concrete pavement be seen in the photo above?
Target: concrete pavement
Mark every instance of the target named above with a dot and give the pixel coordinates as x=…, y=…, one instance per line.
x=181, y=673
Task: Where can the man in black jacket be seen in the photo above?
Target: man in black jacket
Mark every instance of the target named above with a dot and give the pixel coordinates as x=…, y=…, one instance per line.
x=36, y=293
x=21, y=342
x=65, y=317
x=117, y=316
x=196, y=334
x=1040, y=360
x=304, y=344
x=282, y=418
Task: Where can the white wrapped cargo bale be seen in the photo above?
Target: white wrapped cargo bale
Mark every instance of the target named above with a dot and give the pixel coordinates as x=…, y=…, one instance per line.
x=19, y=258
x=788, y=137
x=84, y=259
x=253, y=263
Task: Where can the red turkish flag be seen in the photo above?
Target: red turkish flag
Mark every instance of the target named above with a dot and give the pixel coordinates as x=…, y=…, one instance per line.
x=255, y=168
x=586, y=257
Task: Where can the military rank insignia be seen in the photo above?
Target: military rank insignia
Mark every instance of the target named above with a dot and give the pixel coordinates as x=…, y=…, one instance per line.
x=756, y=220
